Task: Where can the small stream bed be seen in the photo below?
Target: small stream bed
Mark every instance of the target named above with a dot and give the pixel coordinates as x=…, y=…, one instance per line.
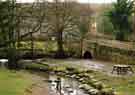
x=69, y=86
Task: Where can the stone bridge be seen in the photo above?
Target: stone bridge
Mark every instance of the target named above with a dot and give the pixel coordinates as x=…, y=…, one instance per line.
x=111, y=50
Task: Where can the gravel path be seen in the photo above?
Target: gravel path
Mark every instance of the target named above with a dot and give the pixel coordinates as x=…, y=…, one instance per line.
x=86, y=64
x=101, y=66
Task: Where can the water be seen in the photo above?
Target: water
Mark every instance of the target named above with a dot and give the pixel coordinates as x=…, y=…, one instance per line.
x=68, y=87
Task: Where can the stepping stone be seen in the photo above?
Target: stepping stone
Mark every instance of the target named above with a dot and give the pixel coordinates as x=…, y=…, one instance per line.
x=93, y=92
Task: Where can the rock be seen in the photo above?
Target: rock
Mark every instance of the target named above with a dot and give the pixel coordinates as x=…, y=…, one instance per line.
x=93, y=92
x=67, y=86
x=66, y=72
x=94, y=80
x=81, y=79
x=81, y=86
x=81, y=74
x=89, y=71
x=104, y=85
x=107, y=91
x=73, y=76
x=98, y=85
x=70, y=90
x=86, y=87
x=91, y=77
x=77, y=77
x=68, y=75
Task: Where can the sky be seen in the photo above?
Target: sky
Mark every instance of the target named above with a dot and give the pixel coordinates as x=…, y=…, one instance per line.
x=96, y=1
x=81, y=1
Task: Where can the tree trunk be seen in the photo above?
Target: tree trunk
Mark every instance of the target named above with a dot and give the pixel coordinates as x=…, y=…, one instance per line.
x=81, y=48
x=32, y=46
x=60, y=42
x=60, y=51
x=12, y=58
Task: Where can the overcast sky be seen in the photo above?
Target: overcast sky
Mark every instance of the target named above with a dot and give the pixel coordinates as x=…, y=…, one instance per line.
x=82, y=1
x=96, y=1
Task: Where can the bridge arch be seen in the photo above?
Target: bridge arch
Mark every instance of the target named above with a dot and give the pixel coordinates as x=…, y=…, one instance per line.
x=87, y=55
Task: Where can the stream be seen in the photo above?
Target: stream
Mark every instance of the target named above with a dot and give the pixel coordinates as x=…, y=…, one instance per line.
x=68, y=86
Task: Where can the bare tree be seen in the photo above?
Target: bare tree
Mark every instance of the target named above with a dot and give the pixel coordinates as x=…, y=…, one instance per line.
x=61, y=15
x=33, y=16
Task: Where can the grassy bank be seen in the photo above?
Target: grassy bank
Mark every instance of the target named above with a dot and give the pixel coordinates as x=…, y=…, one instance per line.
x=14, y=83
x=123, y=85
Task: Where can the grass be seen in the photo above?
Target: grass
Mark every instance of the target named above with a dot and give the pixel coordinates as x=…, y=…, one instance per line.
x=13, y=83
x=124, y=85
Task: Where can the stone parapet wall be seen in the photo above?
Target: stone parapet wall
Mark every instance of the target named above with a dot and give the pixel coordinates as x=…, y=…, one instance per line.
x=116, y=55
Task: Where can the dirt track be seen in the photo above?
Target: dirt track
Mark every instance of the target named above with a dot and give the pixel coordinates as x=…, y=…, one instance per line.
x=39, y=86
